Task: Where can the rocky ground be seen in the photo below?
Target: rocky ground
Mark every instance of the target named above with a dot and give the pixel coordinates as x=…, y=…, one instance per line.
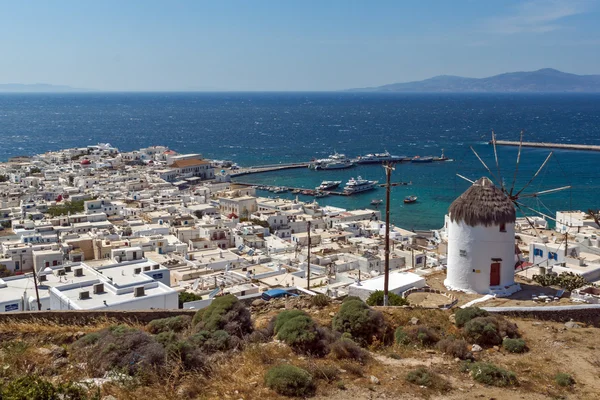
x=45, y=349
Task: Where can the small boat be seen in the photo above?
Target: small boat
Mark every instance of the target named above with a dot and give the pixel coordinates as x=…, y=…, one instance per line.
x=441, y=158
x=410, y=199
x=417, y=159
x=296, y=191
x=328, y=185
x=376, y=202
x=307, y=192
x=321, y=194
x=281, y=189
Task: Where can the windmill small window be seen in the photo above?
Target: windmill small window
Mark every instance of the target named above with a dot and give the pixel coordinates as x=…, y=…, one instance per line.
x=502, y=227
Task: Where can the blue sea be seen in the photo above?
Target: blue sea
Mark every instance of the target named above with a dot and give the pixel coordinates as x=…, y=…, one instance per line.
x=266, y=128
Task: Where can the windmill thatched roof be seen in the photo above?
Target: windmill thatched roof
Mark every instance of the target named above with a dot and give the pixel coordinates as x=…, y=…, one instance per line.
x=483, y=204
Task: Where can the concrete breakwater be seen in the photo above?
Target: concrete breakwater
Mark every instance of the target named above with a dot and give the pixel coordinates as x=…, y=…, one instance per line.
x=564, y=146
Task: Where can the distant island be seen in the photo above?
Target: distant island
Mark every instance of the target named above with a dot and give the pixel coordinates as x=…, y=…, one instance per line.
x=37, y=88
x=545, y=80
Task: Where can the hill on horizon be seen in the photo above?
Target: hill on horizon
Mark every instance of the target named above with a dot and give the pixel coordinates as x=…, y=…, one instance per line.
x=37, y=88
x=545, y=80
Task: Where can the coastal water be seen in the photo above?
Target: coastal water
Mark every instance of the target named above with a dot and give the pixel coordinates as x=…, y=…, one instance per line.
x=266, y=128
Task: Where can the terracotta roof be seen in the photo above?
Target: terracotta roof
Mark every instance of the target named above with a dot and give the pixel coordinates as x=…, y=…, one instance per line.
x=188, y=163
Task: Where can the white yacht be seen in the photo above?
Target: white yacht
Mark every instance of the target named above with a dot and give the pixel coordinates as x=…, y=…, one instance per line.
x=334, y=161
x=359, y=185
x=328, y=185
x=377, y=158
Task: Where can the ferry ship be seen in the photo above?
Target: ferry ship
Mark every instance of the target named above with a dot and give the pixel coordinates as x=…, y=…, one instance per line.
x=328, y=185
x=377, y=158
x=359, y=185
x=334, y=161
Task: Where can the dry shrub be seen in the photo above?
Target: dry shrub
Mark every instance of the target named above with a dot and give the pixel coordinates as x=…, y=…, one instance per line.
x=119, y=347
x=320, y=300
x=514, y=345
x=457, y=348
x=464, y=315
x=328, y=373
x=224, y=313
x=490, y=374
x=425, y=377
x=418, y=334
x=352, y=368
x=175, y=324
x=343, y=349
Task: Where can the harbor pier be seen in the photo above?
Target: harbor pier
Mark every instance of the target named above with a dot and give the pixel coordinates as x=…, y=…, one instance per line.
x=267, y=168
x=563, y=146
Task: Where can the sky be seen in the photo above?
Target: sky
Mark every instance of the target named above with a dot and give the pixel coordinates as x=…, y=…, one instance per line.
x=288, y=45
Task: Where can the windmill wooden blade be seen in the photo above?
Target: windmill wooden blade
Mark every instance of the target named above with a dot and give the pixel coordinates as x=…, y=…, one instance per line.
x=535, y=175
x=465, y=178
x=528, y=221
x=497, y=164
x=512, y=187
x=484, y=164
x=544, y=192
x=535, y=211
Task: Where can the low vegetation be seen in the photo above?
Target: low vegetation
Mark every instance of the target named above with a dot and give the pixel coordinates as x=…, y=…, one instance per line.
x=564, y=380
x=224, y=313
x=301, y=333
x=490, y=374
x=567, y=280
x=457, y=348
x=376, y=299
x=67, y=207
x=345, y=348
x=320, y=300
x=357, y=319
x=289, y=380
x=185, y=297
x=464, y=315
x=36, y=388
x=416, y=335
x=175, y=324
x=514, y=345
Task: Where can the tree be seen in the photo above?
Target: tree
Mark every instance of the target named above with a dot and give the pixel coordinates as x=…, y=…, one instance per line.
x=185, y=297
x=4, y=272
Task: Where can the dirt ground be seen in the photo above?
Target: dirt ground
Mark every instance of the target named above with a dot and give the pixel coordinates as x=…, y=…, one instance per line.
x=521, y=298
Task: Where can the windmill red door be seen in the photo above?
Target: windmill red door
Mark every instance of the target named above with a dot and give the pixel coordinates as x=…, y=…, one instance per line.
x=495, y=274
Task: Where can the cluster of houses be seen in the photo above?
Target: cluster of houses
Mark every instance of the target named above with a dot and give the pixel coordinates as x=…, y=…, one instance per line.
x=95, y=228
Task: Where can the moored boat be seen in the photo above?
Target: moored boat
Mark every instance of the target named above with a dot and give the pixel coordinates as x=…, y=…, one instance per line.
x=328, y=185
x=358, y=185
x=377, y=158
x=410, y=199
x=376, y=202
x=418, y=159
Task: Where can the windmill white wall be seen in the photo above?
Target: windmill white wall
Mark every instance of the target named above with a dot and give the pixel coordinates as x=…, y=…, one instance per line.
x=481, y=241
x=471, y=252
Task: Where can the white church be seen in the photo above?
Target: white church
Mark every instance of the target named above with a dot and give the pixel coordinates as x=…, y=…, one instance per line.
x=480, y=228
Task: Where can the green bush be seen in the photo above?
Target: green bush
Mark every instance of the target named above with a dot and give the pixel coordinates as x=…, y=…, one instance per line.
x=490, y=374
x=483, y=331
x=514, y=345
x=357, y=319
x=289, y=380
x=175, y=324
x=301, y=333
x=564, y=380
x=320, y=300
x=283, y=317
x=224, y=313
x=457, y=348
x=185, y=297
x=464, y=315
x=401, y=337
x=351, y=298
x=376, y=299
x=348, y=349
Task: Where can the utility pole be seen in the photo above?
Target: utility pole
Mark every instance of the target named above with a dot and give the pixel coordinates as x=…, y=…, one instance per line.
x=35, y=283
x=389, y=167
x=308, y=260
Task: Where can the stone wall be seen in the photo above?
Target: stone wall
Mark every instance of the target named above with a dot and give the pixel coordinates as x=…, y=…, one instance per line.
x=589, y=314
x=76, y=317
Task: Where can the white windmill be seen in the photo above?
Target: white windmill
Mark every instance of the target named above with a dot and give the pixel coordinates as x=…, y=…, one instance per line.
x=481, y=231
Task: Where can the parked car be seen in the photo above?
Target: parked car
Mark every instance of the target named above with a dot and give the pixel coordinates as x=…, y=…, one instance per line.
x=276, y=293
